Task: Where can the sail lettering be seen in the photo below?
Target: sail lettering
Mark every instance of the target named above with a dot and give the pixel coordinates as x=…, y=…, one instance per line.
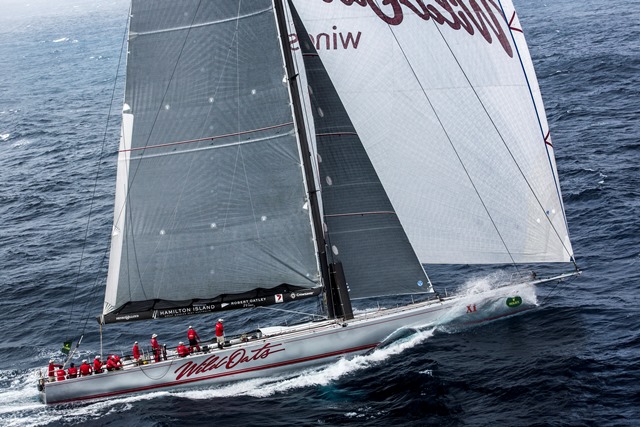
x=483, y=16
x=325, y=41
x=471, y=308
x=231, y=361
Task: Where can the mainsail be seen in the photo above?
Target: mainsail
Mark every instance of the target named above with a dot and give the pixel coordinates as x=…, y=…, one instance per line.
x=444, y=99
x=211, y=205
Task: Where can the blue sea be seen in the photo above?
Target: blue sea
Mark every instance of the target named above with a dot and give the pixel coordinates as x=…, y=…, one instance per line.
x=573, y=361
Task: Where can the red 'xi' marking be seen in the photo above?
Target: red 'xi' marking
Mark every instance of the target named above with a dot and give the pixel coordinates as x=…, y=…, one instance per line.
x=471, y=308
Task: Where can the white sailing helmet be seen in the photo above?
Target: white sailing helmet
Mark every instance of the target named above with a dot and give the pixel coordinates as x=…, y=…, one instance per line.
x=154, y=335
x=220, y=320
x=181, y=343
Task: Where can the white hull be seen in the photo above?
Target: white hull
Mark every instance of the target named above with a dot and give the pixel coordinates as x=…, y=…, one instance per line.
x=283, y=349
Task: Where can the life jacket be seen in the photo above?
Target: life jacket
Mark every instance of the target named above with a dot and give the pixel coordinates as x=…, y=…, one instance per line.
x=73, y=372
x=219, y=329
x=191, y=334
x=97, y=366
x=85, y=369
x=61, y=374
x=111, y=365
x=182, y=351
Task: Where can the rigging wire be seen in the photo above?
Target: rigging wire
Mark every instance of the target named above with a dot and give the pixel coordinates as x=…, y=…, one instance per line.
x=555, y=286
x=93, y=196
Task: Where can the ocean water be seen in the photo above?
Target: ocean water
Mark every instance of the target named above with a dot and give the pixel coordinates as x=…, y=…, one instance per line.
x=574, y=361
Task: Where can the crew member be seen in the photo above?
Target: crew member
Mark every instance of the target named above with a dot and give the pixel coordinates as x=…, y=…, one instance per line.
x=72, y=372
x=136, y=352
x=220, y=333
x=194, y=340
x=85, y=368
x=117, y=361
x=97, y=365
x=155, y=347
x=182, y=350
x=61, y=374
x=52, y=370
x=111, y=364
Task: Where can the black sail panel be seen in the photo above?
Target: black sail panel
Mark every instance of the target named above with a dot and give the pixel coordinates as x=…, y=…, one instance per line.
x=210, y=198
x=363, y=230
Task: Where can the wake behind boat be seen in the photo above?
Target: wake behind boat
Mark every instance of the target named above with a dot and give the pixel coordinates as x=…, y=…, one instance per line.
x=273, y=151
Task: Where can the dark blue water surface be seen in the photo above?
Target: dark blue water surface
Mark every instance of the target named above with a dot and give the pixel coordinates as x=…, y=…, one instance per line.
x=574, y=361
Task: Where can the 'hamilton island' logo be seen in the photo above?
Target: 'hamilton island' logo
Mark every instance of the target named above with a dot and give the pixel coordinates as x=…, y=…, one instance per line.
x=484, y=16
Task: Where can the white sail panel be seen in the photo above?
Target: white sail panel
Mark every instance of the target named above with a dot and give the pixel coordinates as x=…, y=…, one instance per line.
x=442, y=104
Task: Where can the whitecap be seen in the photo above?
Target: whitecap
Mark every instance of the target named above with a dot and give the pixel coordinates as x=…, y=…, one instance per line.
x=21, y=142
x=62, y=39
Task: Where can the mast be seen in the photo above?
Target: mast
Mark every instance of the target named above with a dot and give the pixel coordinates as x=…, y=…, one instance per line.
x=292, y=79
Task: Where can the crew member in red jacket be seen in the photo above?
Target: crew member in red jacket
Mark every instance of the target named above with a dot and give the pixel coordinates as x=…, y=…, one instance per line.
x=52, y=370
x=97, y=365
x=155, y=347
x=61, y=374
x=85, y=368
x=72, y=372
x=220, y=333
x=117, y=361
x=111, y=364
x=194, y=339
x=136, y=352
x=182, y=350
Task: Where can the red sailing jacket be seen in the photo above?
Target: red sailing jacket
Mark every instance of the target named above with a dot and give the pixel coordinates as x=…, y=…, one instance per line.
x=61, y=374
x=192, y=335
x=73, y=372
x=182, y=350
x=85, y=369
